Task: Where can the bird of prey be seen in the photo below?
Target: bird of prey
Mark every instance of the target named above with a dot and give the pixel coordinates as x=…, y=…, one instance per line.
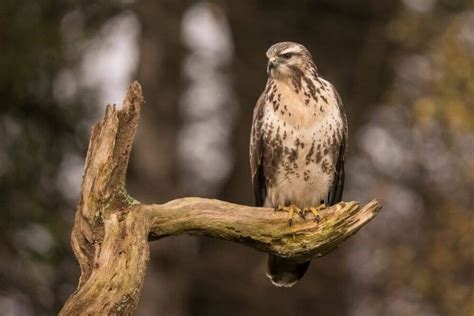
x=297, y=145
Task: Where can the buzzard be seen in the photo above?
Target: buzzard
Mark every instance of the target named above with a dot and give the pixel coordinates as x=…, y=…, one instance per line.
x=298, y=145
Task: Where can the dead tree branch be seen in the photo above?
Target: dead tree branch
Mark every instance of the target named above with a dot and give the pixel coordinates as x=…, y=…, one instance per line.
x=111, y=230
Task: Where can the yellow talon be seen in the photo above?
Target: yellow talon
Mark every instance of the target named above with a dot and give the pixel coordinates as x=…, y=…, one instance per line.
x=314, y=211
x=291, y=209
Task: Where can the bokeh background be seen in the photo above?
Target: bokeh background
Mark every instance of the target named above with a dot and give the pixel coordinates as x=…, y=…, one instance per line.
x=405, y=70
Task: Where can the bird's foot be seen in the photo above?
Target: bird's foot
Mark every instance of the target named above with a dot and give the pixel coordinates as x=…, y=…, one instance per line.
x=291, y=209
x=314, y=211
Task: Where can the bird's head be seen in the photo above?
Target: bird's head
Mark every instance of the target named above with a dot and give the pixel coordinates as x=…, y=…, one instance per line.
x=288, y=59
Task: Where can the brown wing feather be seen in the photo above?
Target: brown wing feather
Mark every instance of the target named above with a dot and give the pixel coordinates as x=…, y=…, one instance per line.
x=256, y=154
x=337, y=188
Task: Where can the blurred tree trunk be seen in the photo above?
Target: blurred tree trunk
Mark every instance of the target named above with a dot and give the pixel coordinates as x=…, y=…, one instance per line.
x=154, y=167
x=159, y=72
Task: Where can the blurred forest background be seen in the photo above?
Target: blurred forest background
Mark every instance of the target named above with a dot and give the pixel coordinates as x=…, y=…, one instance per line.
x=405, y=70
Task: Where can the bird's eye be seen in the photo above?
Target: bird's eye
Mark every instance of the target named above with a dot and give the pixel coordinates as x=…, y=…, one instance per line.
x=286, y=55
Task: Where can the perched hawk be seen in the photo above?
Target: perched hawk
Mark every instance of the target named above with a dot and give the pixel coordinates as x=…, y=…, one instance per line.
x=297, y=146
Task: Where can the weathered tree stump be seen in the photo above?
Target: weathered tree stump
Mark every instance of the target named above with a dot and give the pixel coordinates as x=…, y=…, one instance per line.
x=111, y=229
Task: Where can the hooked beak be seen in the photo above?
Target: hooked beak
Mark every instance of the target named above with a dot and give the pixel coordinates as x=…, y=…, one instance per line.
x=271, y=65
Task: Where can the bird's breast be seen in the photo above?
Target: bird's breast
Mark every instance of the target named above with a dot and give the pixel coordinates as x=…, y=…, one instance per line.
x=300, y=144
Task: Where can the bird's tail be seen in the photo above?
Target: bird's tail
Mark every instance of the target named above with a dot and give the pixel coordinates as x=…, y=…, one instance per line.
x=285, y=272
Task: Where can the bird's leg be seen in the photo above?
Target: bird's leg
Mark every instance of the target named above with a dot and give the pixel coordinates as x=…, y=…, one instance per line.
x=314, y=211
x=291, y=209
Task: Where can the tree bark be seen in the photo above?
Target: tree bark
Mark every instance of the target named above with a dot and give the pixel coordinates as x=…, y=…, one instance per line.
x=111, y=229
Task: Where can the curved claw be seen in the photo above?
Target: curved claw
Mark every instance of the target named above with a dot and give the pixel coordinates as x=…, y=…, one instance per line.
x=315, y=211
x=291, y=209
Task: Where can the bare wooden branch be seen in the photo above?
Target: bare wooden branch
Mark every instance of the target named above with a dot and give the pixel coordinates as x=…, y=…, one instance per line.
x=261, y=228
x=111, y=229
